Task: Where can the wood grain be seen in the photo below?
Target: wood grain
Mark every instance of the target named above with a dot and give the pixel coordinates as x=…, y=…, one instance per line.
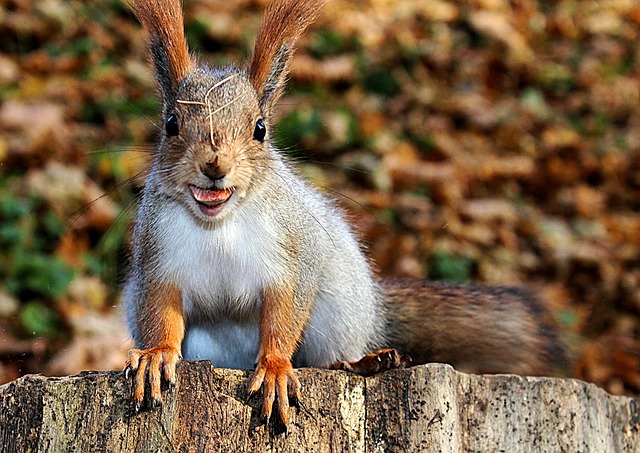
x=424, y=408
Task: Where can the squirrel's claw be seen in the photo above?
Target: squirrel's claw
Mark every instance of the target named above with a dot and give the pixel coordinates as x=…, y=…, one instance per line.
x=251, y=396
x=405, y=360
x=279, y=385
x=148, y=366
x=294, y=401
x=377, y=362
x=154, y=403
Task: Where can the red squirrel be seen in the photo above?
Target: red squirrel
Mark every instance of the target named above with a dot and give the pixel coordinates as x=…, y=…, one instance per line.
x=238, y=260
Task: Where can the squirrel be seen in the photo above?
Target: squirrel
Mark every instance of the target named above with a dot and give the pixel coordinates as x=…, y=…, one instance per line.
x=237, y=259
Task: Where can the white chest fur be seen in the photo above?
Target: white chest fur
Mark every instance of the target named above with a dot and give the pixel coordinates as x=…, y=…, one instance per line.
x=221, y=269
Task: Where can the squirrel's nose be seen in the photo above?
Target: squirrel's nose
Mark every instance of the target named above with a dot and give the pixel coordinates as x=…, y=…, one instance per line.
x=212, y=171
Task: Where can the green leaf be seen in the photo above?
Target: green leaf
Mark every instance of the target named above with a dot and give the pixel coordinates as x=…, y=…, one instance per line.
x=382, y=82
x=40, y=320
x=329, y=42
x=450, y=267
x=298, y=126
x=42, y=275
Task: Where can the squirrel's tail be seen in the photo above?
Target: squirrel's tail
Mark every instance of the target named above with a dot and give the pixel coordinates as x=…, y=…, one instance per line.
x=477, y=329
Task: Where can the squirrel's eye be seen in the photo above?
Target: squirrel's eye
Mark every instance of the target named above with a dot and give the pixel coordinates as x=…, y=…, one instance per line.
x=260, y=131
x=172, y=126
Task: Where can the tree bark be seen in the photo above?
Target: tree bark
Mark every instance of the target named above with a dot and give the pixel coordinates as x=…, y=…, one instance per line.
x=424, y=408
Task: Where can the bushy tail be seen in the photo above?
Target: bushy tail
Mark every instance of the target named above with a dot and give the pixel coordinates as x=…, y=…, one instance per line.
x=478, y=329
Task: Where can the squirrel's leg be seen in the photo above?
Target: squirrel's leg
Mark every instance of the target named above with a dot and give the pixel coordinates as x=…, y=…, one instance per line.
x=162, y=334
x=280, y=331
x=377, y=362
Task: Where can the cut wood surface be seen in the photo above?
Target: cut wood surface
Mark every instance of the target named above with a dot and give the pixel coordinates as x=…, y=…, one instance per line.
x=424, y=408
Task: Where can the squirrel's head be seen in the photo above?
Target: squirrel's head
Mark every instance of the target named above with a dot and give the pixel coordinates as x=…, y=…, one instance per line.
x=214, y=145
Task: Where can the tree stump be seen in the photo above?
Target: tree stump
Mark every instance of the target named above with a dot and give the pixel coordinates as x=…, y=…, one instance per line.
x=424, y=408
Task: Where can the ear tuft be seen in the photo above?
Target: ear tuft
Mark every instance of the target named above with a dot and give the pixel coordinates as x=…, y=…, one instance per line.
x=284, y=22
x=164, y=23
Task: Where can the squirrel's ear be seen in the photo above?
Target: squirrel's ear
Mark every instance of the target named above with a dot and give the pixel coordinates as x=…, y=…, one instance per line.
x=164, y=23
x=283, y=23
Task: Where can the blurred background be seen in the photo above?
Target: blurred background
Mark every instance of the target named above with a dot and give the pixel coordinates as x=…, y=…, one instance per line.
x=491, y=141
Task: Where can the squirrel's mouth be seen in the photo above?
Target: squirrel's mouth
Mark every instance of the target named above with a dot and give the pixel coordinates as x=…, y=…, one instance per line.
x=210, y=201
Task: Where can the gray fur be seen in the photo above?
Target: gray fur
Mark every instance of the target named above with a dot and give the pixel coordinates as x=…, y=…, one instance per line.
x=298, y=232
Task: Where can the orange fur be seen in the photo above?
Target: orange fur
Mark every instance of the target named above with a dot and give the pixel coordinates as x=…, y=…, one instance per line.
x=162, y=325
x=161, y=321
x=279, y=329
x=280, y=332
x=164, y=21
x=283, y=23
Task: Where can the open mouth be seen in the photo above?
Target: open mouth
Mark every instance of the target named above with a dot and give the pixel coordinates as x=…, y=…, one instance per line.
x=210, y=201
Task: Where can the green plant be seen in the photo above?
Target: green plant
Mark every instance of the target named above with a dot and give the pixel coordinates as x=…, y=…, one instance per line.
x=446, y=266
x=297, y=127
x=29, y=268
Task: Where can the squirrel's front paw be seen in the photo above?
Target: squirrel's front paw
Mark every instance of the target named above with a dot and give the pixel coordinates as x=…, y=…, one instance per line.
x=151, y=364
x=377, y=362
x=275, y=374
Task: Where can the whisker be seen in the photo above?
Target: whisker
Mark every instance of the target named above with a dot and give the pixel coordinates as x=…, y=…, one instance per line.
x=142, y=149
x=71, y=218
x=337, y=192
x=287, y=182
x=135, y=107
